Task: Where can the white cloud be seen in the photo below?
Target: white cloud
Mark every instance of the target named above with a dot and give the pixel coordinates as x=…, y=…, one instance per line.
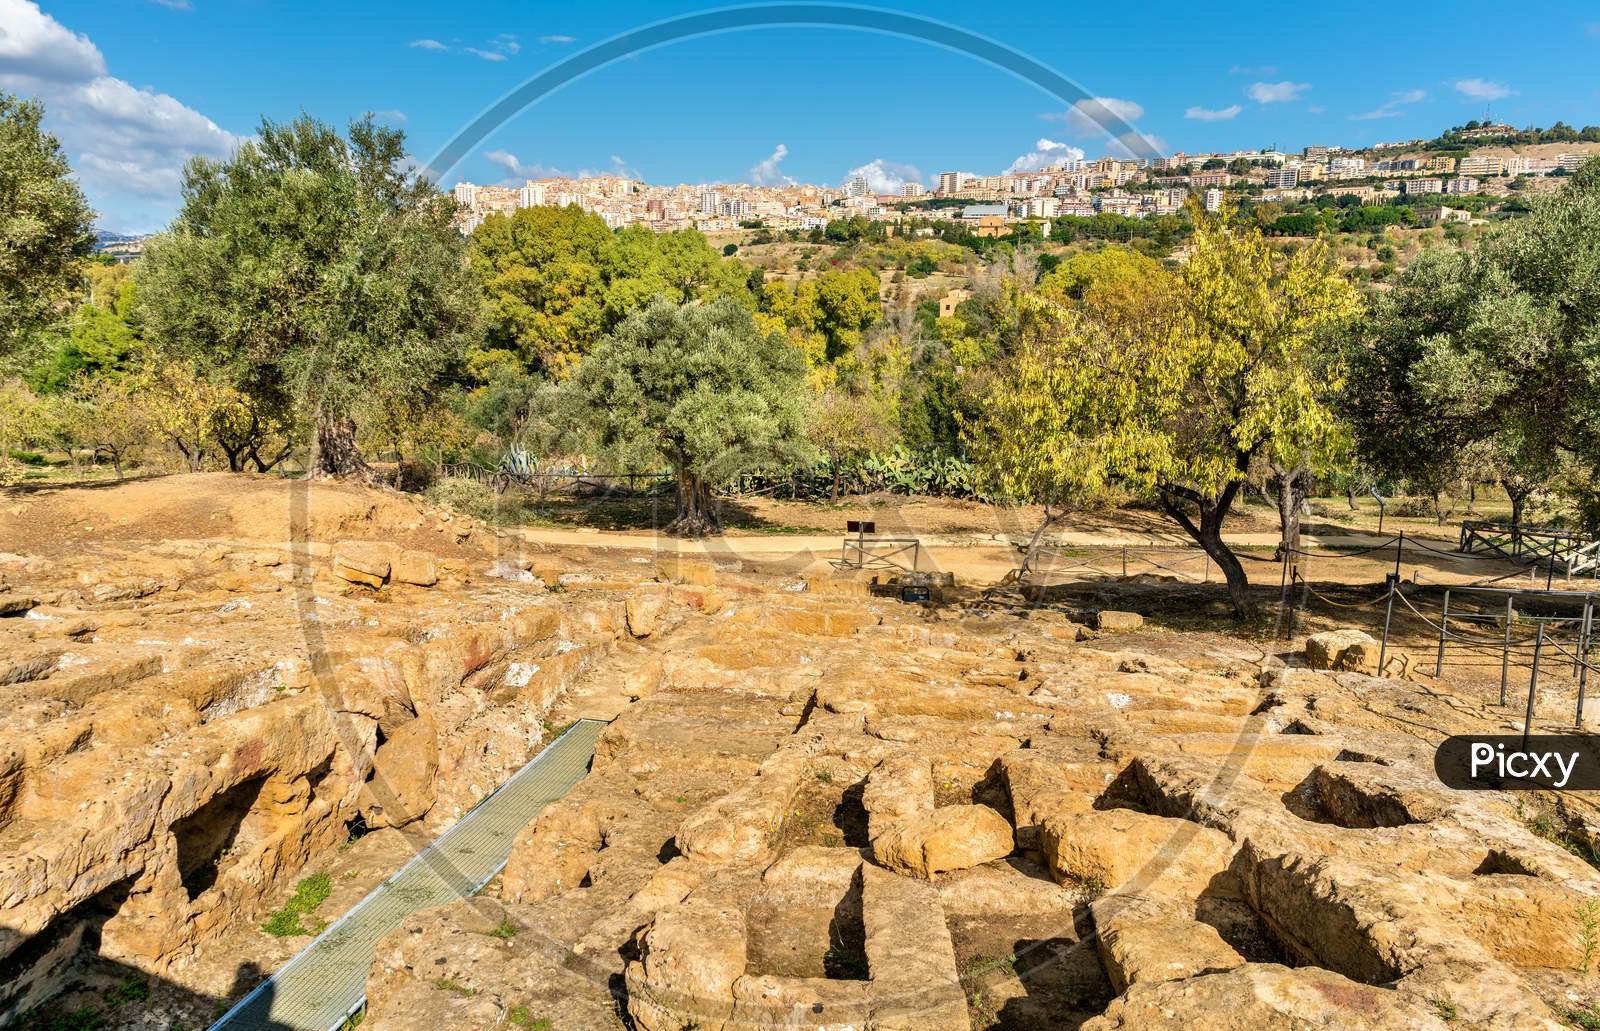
x=1204, y=114
x=176, y=5
x=887, y=176
x=1483, y=89
x=766, y=172
x=391, y=116
x=558, y=39
x=1265, y=69
x=500, y=48
x=34, y=45
x=1394, y=107
x=519, y=170
x=1044, y=154
x=1100, y=115
x=508, y=161
x=1316, y=109
x=1276, y=92
x=129, y=144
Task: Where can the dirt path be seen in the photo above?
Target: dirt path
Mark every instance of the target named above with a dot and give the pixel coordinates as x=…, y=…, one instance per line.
x=986, y=558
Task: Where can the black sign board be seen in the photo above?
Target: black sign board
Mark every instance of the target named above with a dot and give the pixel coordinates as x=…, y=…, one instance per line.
x=858, y=526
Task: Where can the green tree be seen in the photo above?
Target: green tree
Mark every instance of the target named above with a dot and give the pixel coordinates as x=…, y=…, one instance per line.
x=555, y=280
x=828, y=314
x=312, y=266
x=1488, y=356
x=1175, y=390
x=102, y=336
x=698, y=387
x=46, y=227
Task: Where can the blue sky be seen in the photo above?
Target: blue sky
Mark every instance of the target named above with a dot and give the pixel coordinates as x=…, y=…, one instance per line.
x=135, y=86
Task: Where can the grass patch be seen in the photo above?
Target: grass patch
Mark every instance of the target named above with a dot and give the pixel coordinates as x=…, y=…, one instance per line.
x=1092, y=887
x=310, y=893
x=504, y=930
x=444, y=984
x=982, y=1010
x=977, y=966
x=1587, y=1018
x=133, y=988
x=551, y=731
x=1445, y=1009
x=1544, y=825
x=523, y=1017
x=84, y=1018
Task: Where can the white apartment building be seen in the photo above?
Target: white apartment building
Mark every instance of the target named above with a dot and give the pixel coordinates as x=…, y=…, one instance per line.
x=466, y=194
x=1481, y=165
x=1414, y=187
x=710, y=201
x=1462, y=184
x=1283, y=178
x=1572, y=162
x=857, y=186
x=912, y=190
x=1346, y=165
x=1041, y=207
x=952, y=182
x=1119, y=204
x=531, y=195
x=1169, y=201
x=1212, y=199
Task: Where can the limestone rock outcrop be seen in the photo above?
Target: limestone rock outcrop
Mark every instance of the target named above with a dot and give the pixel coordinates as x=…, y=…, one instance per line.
x=940, y=840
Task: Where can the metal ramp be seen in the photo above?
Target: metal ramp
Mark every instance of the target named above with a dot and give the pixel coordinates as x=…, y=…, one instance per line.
x=325, y=982
x=1566, y=550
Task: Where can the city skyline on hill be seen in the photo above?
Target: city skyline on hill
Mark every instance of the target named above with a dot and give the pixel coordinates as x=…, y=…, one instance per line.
x=136, y=87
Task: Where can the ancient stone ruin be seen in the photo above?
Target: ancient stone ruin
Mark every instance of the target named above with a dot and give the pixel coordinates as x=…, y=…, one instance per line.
x=814, y=807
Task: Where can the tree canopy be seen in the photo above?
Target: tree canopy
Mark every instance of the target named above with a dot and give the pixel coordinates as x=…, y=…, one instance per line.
x=46, y=226
x=1174, y=389
x=700, y=388
x=556, y=279
x=313, y=268
x=1489, y=357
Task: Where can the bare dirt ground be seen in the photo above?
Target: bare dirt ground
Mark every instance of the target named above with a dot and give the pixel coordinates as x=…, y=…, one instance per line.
x=979, y=812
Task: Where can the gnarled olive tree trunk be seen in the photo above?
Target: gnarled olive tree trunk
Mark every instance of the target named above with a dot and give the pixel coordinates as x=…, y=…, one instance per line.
x=337, y=455
x=697, y=510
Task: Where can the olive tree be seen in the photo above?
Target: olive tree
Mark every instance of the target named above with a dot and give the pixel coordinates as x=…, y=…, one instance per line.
x=315, y=273
x=46, y=226
x=1488, y=358
x=699, y=388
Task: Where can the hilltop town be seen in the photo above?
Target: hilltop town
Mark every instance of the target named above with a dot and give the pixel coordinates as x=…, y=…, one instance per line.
x=1488, y=160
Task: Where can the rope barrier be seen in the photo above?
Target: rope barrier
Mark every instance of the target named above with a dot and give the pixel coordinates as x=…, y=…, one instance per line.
x=1349, y=554
x=1338, y=604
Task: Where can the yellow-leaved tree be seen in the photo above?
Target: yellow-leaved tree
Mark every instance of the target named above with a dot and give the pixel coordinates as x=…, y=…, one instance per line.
x=1175, y=388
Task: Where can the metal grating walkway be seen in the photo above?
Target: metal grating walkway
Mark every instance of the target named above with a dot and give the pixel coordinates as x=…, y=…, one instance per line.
x=325, y=982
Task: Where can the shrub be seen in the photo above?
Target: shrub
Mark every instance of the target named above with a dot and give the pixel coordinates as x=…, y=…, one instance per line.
x=469, y=497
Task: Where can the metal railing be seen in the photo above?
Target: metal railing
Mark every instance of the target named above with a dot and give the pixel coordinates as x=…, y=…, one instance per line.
x=324, y=984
